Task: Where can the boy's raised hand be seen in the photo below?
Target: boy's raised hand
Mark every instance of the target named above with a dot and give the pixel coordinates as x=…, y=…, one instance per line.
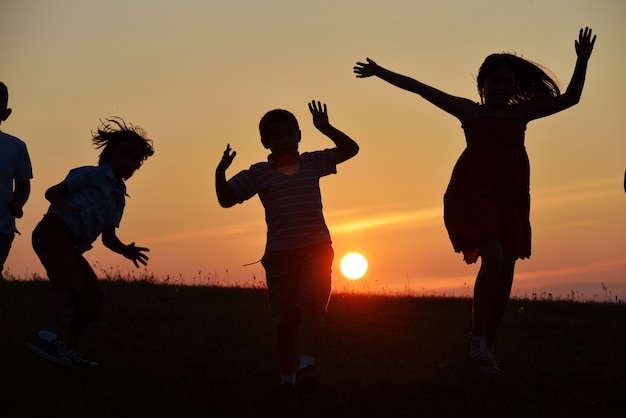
x=227, y=158
x=320, y=115
x=363, y=70
x=584, y=44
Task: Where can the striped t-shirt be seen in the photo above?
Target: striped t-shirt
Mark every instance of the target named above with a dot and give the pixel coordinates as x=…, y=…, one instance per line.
x=292, y=201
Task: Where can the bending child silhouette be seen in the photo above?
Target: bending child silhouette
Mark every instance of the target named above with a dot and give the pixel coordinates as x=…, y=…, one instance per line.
x=487, y=203
x=88, y=204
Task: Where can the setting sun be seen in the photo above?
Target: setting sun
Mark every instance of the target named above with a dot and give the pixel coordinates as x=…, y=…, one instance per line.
x=353, y=266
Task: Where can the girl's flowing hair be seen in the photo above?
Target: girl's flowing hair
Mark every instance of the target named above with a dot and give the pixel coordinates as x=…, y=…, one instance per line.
x=532, y=81
x=114, y=131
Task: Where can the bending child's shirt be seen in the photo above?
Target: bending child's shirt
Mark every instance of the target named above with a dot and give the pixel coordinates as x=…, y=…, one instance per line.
x=291, y=198
x=100, y=195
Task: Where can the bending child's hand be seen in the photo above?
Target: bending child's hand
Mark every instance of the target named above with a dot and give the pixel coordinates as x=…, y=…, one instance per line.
x=584, y=44
x=135, y=254
x=227, y=159
x=363, y=70
x=320, y=115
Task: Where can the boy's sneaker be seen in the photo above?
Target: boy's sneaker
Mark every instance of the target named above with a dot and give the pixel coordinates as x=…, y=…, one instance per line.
x=306, y=381
x=79, y=362
x=53, y=351
x=287, y=393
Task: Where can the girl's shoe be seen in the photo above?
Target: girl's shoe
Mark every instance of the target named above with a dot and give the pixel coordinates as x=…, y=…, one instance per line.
x=481, y=355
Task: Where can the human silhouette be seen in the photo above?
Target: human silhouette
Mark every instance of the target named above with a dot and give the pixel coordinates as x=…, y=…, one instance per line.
x=487, y=202
x=298, y=253
x=15, y=175
x=89, y=203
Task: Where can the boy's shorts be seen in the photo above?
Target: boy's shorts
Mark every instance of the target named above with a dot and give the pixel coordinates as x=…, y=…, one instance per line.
x=67, y=269
x=298, y=277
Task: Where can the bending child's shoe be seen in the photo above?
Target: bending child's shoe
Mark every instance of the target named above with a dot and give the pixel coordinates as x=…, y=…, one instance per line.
x=79, y=362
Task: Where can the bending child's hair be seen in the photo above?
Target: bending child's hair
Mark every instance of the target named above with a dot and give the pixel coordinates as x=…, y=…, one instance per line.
x=113, y=132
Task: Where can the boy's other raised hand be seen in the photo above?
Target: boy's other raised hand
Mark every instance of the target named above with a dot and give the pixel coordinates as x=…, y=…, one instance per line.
x=363, y=70
x=584, y=44
x=320, y=115
x=227, y=158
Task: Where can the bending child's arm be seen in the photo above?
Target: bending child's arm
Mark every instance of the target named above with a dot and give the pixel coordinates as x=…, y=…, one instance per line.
x=225, y=196
x=584, y=47
x=346, y=146
x=56, y=196
x=456, y=106
x=135, y=254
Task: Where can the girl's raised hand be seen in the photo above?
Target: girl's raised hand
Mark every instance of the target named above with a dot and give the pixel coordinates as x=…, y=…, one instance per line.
x=362, y=69
x=584, y=44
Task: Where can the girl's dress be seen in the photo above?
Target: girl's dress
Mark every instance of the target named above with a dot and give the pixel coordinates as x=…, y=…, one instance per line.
x=488, y=195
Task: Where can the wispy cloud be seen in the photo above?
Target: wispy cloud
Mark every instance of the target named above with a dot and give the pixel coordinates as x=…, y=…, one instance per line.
x=585, y=191
x=211, y=232
x=576, y=270
x=382, y=217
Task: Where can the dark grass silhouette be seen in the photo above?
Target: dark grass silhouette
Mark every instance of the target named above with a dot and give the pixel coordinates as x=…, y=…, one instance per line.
x=184, y=351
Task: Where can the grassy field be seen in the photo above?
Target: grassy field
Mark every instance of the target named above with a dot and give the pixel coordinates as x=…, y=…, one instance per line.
x=184, y=351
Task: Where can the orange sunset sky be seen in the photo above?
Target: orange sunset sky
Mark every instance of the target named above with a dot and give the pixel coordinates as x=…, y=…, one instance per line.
x=199, y=74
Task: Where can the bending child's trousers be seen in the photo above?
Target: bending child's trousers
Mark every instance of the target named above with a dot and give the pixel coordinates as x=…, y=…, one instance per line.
x=67, y=269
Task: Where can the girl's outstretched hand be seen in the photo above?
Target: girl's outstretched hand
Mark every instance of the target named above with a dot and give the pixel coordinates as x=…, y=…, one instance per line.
x=227, y=158
x=584, y=44
x=363, y=70
x=320, y=115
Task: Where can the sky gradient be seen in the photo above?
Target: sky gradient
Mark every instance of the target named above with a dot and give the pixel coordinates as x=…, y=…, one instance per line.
x=197, y=75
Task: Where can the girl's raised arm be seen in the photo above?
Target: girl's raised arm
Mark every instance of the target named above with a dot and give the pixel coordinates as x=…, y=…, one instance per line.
x=540, y=108
x=456, y=106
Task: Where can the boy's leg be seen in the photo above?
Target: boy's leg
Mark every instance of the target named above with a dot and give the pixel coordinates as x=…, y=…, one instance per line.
x=88, y=305
x=75, y=329
x=286, y=347
x=54, y=246
x=311, y=329
x=65, y=267
x=282, y=292
x=314, y=285
x=56, y=304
